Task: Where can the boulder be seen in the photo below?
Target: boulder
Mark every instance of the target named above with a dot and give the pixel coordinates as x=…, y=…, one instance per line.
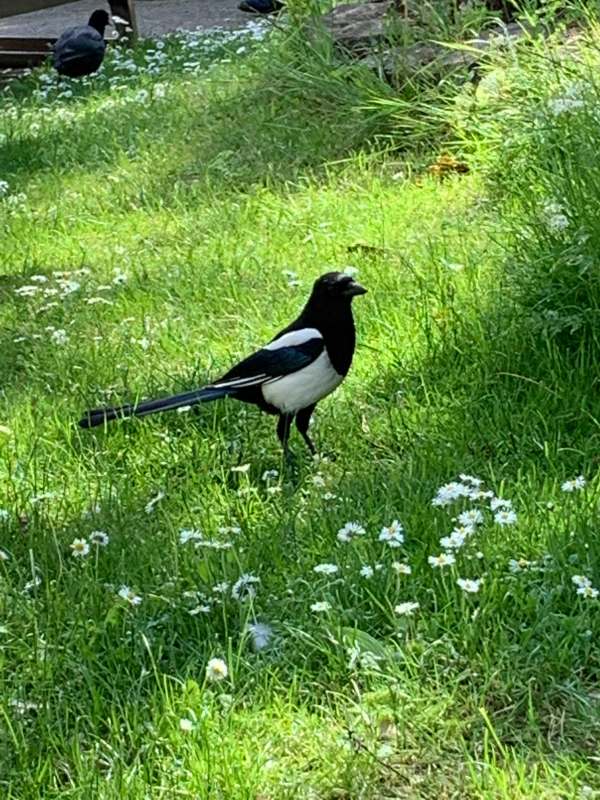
x=360, y=26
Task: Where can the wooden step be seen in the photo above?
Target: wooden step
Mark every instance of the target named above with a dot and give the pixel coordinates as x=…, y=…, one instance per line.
x=21, y=58
x=35, y=45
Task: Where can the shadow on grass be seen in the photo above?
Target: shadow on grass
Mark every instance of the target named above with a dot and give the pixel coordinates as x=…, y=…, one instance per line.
x=261, y=128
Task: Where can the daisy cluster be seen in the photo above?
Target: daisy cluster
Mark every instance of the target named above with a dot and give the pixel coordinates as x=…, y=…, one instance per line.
x=43, y=293
x=485, y=508
x=183, y=52
x=391, y=537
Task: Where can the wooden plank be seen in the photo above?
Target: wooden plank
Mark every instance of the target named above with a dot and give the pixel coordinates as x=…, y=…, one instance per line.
x=16, y=58
x=37, y=45
x=9, y=8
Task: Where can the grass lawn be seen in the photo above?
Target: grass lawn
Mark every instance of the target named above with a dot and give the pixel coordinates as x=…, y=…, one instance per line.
x=160, y=221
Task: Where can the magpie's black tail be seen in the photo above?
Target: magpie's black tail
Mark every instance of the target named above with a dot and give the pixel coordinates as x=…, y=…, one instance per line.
x=98, y=416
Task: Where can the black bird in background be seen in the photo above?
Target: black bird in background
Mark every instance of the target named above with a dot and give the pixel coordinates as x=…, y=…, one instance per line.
x=303, y=364
x=79, y=51
x=261, y=6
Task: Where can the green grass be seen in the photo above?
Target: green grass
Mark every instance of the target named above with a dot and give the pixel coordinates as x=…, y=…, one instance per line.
x=180, y=217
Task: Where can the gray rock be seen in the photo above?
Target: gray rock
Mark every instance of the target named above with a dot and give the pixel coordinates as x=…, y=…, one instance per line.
x=394, y=61
x=358, y=26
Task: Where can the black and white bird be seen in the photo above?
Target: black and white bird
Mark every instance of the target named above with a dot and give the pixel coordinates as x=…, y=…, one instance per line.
x=80, y=51
x=288, y=376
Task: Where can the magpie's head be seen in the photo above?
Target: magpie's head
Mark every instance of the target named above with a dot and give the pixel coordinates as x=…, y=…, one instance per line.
x=336, y=287
x=99, y=20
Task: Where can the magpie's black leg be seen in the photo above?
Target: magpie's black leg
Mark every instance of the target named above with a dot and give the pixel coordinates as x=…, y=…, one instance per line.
x=283, y=430
x=302, y=420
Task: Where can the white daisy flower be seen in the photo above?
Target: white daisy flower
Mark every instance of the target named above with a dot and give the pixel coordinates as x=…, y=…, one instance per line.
x=186, y=725
x=470, y=479
x=453, y=542
x=443, y=560
x=450, y=492
x=392, y=535
x=244, y=588
x=505, y=517
x=367, y=571
x=221, y=588
x=190, y=535
x=500, y=502
x=350, y=531
x=320, y=606
x=128, y=594
x=216, y=670
x=468, y=585
x=99, y=538
x=270, y=475
x=406, y=609
x=229, y=529
x=79, y=548
x=588, y=591
x=400, y=568
x=518, y=564
x=574, y=485
x=59, y=337
x=581, y=581
x=193, y=612
x=326, y=569
x=470, y=518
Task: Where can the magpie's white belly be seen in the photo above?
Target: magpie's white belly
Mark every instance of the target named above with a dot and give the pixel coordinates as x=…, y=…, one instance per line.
x=303, y=388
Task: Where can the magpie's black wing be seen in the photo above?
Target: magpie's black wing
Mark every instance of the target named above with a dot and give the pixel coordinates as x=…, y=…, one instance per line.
x=288, y=353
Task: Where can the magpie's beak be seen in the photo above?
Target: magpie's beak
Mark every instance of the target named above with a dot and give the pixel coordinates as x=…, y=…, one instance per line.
x=353, y=289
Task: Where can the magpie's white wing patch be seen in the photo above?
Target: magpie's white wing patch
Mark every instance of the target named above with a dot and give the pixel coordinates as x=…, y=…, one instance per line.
x=294, y=338
x=240, y=383
x=291, y=393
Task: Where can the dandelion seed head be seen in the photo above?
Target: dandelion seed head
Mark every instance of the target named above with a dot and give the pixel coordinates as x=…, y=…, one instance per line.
x=261, y=635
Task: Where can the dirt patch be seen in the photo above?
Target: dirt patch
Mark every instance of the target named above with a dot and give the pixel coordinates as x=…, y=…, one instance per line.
x=154, y=17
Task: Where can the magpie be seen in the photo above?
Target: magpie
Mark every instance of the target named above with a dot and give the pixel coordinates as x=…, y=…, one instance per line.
x=288, y=376
x=79, y=51
x=261, y=6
